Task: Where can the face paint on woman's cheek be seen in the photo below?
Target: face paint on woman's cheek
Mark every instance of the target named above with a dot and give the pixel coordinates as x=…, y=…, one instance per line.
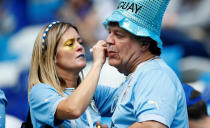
x=70, y=44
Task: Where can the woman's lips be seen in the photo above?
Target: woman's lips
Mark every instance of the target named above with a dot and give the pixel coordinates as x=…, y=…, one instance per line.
x=81, y=56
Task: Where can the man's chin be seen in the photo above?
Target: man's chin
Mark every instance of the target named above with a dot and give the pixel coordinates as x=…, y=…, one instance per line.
x=113, y=63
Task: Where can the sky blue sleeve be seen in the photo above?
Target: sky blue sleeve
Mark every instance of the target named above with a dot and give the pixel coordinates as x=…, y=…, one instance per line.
x=155, y=97
x=3, y=103
x=43, y=104
x=103, y=97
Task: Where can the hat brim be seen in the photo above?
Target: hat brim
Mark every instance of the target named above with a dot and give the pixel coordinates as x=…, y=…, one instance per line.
x=132, y=27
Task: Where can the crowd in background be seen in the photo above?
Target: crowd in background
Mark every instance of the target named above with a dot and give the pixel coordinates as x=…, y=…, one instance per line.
x=185, y=35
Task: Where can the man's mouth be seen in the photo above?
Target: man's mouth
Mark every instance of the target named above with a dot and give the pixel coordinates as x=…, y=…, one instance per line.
x=111, y=53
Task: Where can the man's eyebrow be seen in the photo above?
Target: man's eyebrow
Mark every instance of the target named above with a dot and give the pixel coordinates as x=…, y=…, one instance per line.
x=118, y=30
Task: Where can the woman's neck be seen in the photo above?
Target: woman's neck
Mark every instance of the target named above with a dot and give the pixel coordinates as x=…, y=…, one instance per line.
x=70, y=79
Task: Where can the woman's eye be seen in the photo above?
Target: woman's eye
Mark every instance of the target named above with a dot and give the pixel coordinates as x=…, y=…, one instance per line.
x=81, y=42
x=70, y=42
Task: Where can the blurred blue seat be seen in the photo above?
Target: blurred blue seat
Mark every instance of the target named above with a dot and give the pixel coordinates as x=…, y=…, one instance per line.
x=5, y=54
x=175, y=37
x=39, y=12
x=172, y=55
x=208, y=109
x=205, y=77
x=17, y=97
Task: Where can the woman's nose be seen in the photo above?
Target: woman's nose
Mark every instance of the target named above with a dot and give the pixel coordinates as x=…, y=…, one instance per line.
x=79, y=46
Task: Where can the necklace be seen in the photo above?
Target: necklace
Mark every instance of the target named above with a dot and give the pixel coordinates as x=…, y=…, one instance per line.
x=146, y=61
x=141, y=64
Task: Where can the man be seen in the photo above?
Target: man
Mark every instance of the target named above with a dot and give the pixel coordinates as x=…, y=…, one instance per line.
x=152, y=95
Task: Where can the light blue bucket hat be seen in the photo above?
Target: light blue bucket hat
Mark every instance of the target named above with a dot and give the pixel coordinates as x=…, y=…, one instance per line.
x=140, y=17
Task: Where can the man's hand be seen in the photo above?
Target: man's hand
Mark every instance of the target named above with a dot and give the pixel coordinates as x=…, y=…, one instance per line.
x=99, y=125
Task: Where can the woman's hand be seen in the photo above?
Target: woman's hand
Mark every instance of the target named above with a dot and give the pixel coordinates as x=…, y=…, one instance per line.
x=99, y=52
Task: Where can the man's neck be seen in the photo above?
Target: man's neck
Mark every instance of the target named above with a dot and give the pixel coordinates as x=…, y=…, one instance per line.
x=139, y=60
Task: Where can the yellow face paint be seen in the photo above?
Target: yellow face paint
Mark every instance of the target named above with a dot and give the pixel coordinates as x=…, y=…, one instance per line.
x=71, y=43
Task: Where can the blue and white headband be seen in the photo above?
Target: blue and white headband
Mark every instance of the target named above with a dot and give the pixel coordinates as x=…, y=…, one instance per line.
x=45, y=33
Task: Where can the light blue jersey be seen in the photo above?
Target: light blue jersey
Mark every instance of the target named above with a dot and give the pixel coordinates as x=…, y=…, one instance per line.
x=44, y=100
x=3, y=103
x=152, y=92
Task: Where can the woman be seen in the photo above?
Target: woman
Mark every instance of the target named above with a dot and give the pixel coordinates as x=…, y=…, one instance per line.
x=57, y=95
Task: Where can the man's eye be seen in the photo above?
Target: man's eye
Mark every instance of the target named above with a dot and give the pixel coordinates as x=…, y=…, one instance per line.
x=119, y=36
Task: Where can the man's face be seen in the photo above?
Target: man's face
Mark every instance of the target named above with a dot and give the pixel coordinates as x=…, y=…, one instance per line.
x=121, y=48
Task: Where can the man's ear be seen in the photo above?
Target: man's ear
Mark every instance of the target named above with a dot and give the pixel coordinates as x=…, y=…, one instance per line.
x=144, y=47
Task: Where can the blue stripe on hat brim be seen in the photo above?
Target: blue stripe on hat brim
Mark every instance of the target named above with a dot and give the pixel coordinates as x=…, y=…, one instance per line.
x=130, y=26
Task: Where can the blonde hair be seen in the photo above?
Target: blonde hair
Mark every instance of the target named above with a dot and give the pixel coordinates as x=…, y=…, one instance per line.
x=43, y=60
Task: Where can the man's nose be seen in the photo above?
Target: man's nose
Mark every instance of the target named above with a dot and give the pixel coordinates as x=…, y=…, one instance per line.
x=109, y=39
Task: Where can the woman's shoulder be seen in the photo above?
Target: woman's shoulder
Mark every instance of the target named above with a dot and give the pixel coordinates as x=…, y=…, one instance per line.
x=41, y=89
x=41, y=86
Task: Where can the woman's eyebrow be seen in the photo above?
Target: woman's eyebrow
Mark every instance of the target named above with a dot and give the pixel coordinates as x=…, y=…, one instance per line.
x=69, y=39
